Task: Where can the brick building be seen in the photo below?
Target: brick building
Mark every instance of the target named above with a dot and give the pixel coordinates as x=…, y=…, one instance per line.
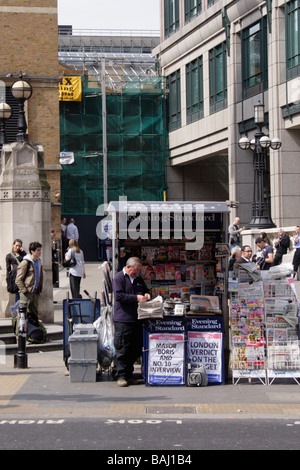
x=29, y=44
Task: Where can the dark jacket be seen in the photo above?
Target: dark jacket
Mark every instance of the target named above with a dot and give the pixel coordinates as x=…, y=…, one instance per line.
x=283, y=245
x=237, y=263
x=125, y=297
x=11, y=261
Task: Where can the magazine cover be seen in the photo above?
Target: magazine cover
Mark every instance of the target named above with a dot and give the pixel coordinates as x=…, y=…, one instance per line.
x=160, y=272
x=201, y=272
x=150, y=273
x=176, y=253
x=175, y=292
x=170, y=271
x=206, y=253
x=162, y=291
x=149, y=254
x=163, y=254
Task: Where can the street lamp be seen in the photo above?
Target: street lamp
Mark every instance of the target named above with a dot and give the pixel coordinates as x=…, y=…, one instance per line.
x=5, y=113
x=261, y=209
x=21, y=91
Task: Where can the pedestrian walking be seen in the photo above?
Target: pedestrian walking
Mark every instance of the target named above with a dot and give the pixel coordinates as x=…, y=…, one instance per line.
x=77, y=272
x=72, y=231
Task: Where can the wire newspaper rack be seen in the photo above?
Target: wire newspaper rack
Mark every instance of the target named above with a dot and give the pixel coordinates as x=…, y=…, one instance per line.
x=264, y=329
x=283, y=361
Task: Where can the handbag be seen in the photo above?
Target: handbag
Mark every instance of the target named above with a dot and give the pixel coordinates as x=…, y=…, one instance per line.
x=70, y=263
x=11, y=277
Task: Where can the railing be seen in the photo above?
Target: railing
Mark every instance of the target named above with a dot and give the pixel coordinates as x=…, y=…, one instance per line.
x=69, y=31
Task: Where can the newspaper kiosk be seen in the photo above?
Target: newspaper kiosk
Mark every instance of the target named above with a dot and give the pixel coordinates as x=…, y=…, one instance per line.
x=184, y=254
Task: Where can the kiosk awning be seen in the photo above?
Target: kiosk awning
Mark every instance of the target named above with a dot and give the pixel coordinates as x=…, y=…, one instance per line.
x=160, y=206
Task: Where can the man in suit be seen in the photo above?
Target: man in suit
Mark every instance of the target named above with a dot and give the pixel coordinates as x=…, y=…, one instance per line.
x=281, y=244
x=245, y=257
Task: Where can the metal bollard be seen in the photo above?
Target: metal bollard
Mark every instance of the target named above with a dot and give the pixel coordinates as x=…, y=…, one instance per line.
x=20, y=359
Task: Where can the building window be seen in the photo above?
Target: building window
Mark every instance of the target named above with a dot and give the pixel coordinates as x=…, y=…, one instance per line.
x=218, y=78
x=174, y=111
x=192, y=8
x=293, y=39
x=194, y=90
x=255, y=58
x=211, y=2
x=171, y=16
x=11, y=125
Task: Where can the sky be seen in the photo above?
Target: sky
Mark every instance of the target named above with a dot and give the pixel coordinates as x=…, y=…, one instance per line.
x=110, y=14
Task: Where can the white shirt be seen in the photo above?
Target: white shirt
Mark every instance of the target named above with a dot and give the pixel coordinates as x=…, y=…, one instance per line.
x=72, y=232
x=78, y=269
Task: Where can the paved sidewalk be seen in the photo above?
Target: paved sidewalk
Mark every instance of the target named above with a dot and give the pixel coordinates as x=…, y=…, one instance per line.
x=92, y=284
x=44, y=391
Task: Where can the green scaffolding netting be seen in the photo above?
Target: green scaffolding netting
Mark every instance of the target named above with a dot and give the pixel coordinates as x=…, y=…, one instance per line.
x=137, y=144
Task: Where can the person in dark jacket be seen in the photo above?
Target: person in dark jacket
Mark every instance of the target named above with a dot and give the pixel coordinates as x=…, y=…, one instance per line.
x=129, y=289
x=14, y=258
x=281, y=244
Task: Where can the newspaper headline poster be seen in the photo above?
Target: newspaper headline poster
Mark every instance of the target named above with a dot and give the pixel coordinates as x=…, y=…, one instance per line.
x=166, y=359
x=206, y=348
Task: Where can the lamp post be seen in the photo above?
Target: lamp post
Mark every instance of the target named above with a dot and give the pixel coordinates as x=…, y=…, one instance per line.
x=22, y=91
x=5, y=113
x=261, y=209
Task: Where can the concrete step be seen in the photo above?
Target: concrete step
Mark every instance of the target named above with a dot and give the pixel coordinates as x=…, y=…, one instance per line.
x=55, y=345
x=54, y=338
x=5, y=327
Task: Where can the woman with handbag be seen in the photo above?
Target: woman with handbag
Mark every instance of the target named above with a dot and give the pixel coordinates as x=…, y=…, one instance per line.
x=13, y=259
x=75, y=259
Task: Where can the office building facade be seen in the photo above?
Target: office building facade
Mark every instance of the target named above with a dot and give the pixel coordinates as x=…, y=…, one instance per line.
x=220, y=58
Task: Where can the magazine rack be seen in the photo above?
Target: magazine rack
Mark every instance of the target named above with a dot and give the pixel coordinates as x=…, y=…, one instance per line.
x=264, y=334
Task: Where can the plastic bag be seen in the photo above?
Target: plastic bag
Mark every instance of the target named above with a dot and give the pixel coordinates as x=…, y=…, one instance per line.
x=104, y=328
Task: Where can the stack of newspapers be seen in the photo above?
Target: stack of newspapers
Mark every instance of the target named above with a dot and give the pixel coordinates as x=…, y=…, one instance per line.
x=151, y=309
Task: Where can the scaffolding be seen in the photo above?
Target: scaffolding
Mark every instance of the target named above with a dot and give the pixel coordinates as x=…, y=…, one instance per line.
x=136, y=136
